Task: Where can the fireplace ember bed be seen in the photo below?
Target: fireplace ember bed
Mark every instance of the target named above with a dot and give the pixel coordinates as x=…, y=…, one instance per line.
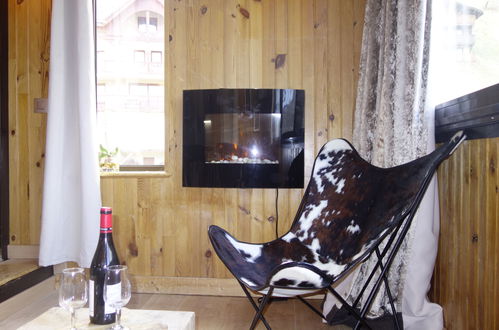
x=243, y=138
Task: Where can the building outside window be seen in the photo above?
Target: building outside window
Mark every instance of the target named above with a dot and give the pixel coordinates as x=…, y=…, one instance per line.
x=130, y=80
x=467, y=46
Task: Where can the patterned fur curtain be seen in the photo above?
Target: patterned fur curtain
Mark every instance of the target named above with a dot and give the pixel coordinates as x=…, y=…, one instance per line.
x=390, y=126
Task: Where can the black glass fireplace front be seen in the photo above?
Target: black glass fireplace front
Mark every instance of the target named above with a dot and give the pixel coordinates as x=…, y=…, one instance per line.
x=243, y=138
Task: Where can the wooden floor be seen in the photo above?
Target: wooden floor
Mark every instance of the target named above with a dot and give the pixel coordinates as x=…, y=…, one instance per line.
x=211, y=312
x=11, y=269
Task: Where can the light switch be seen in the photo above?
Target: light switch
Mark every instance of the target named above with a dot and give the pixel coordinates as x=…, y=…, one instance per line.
x=41, y=105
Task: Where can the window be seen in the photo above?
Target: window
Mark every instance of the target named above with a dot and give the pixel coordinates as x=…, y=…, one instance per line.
x=466, y=47
x=147, y=23
x=130, y=82
x=153, y=24
x=139, y=56
x=101, y=90
x=156, y=57
x=141, y=23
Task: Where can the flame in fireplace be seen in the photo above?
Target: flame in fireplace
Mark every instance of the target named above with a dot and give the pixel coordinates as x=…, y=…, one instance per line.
x=234, y=153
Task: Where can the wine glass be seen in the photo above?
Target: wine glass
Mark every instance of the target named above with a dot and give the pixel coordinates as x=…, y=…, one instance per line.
x=117, y=290
x=73, y=291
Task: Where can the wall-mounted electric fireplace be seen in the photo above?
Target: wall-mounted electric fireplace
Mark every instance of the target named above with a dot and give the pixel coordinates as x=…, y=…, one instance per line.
x=243, y=138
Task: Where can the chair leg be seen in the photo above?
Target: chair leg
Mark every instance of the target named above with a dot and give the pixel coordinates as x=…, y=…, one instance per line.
x=375, y=268
x=255, y=306
x=391, y=255
x=388, y=292
x=258, y=314
x=311, y=307
x=360, y=318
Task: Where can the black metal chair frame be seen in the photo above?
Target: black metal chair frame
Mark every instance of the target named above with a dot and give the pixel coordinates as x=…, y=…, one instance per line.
x=360, y=316
x=389, y=251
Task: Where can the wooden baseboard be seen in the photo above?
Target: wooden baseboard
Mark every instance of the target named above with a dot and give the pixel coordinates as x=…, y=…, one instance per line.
x=23, y=251
x=187, y=285
x=192, y=286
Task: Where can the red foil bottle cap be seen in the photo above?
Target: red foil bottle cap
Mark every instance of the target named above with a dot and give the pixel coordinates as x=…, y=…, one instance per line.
x=106, y=218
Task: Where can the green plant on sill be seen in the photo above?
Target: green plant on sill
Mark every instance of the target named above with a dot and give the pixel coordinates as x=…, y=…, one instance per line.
x=106, y=161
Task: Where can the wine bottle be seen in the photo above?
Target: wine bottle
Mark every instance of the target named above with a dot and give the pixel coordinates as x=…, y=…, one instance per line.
x=105, y=255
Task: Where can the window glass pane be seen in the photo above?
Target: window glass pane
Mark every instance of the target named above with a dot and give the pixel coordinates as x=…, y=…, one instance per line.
x=156, y=57
x=138, y=90
x=141, y=23
x=467, y=40
x=139, y=56
x=130, y=92
x=153, y=23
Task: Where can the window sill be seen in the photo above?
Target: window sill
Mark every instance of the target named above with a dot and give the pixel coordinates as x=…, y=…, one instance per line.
x=135, y=174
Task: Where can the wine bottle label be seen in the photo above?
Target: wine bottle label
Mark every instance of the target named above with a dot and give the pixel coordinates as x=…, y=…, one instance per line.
x=91, y=293
x=113, y=295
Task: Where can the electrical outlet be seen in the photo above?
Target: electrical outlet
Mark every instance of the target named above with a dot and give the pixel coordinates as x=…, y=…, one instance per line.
x=41, y=105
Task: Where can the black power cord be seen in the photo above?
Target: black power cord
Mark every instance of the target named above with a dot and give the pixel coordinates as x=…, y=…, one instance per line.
x=276, y=213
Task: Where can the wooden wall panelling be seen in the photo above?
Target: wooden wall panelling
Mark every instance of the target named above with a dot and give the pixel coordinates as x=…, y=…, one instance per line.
x=491, y=237
x=320, y=75
x=308, y=83
x=466, y=275
x=29, y=37
x=38, y=50
x=287, y=64
x=15, y=66
x=295, y=59
x=334, y=113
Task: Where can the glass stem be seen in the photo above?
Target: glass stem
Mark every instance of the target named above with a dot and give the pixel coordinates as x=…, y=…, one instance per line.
x=118, y=317
x=72, y=318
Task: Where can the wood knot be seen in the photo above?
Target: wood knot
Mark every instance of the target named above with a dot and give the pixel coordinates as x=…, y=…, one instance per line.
x=244, y=12
x=133, y=249
x=13, y=132
x=474, y=238
x=207, y=254
x=203, y=9
x=279, y=61
x=13, y=238
x=170, y=38
x=20, y=2
x=271, y=218
x=244, y=210
x=38, y=164
x=331, y=117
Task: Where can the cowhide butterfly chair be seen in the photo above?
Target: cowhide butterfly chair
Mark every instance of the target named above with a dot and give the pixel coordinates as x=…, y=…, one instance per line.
x=348, y=209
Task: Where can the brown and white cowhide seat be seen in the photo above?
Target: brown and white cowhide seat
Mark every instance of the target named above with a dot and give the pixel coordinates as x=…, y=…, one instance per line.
x=348, y=208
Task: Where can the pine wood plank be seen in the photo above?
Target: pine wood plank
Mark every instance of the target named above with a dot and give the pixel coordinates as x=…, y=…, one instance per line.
x=334, y=109
x=320, y=74
x=465, y=281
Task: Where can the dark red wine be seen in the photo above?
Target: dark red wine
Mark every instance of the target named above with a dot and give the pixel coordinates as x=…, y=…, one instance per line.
x=105, y=255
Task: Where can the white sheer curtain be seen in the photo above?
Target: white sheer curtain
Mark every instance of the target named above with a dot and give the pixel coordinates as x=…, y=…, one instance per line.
x=71, y=193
